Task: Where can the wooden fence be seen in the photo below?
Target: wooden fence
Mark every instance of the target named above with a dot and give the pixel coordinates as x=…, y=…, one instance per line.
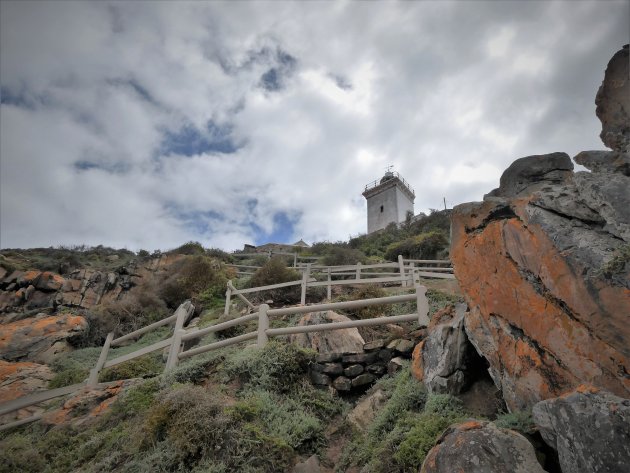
x=404, y=272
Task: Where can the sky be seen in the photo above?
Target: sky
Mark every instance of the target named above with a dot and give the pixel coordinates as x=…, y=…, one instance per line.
x=144, y=125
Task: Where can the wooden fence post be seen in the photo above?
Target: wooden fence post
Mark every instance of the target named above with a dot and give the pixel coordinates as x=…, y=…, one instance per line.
x=401, y=265
x=93, y=379
x=228, y=295
x=306, y=275
x=329, y=287
x=176, y=343
x=358, y=276
x=263, y=325
x=295, y=260
x=422, y=305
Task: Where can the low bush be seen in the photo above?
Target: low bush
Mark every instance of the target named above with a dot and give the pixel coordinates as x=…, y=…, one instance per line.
x=423, y=246
x=367, y=291
x=276, y=367
x=275, y=271
x=339, y=256
x=68, y=377
x=142, y=367
x=520, y=421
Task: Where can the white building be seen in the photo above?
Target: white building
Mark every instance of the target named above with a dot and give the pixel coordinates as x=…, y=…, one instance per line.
x=389, y=200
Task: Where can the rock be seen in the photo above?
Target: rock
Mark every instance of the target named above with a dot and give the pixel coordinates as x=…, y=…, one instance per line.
x=613, y=103
x=328, y=357
x=395, y=365
x=378, y=370
x=401, y=345
x=360, y=358
x=48, y=281
x=366, y=409
x=3, y=273
x=440, y=360
x=548, y=304
x=589, y=428
x=373, y=345
x=353, y=371
x=532, y=173
x=363, y=379
x=87, y=404
x=311, y=465
x=385, y=355
x=21, y=379
x=319, y=378
x=604, y=161
x=346, y=340
x=328, y=368
x=342, y=384
x=476, y=446
x=37, y=339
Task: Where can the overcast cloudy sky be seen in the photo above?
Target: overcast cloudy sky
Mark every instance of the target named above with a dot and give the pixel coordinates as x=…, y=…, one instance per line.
x=149, y=124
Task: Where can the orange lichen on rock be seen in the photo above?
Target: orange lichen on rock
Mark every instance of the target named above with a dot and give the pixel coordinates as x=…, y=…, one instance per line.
x=417, y=366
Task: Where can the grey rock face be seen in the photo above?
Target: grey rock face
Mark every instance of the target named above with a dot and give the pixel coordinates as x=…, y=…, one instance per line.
x=533, y=172
x=604, y=161
x=346, y=340
x=613, y=103
x=366, y=409
x=444, y=355
x=590, y=430
x=481, y=447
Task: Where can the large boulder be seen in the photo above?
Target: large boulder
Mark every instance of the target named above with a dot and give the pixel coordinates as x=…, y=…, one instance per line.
x=589, y=428
x=347, y=340
x=440, y=360
x=476, y=446
x=39, y=338
x=613, y=103
x=544, y=264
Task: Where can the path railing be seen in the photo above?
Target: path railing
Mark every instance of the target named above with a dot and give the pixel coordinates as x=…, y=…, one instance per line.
x=179, y=318
x=405, y=271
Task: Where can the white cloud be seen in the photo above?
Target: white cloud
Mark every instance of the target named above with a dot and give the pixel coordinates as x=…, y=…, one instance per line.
x=449, y=92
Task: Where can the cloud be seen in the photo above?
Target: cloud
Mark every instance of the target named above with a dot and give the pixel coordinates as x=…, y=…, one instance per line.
x=147, y=126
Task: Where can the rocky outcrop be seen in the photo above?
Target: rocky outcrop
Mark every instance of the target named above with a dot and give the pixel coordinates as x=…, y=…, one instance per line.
x=347, y=340
x=544, y=263
x=23, y=291
x=440, y=360
x=88, y=403
x=21, y=379
x=366, y=409
x=613, y=103
x=40, y=338
x=589, y=428
x=476, y=446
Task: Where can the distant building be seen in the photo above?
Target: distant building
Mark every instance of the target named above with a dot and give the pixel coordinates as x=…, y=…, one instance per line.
x=389, y=200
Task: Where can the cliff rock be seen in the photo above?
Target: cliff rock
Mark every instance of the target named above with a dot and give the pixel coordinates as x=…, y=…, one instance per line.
x=589, y=428
x=21, y=379
x=440, y=359
x=544, y=263
x=39, y=339
x=613, y=103
x=476, y=446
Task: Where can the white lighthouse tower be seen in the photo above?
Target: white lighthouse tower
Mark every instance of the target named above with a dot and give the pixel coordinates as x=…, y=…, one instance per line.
x=389, y=199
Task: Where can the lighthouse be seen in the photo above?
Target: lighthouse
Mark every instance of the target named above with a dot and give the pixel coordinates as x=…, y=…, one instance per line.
x=389, y=200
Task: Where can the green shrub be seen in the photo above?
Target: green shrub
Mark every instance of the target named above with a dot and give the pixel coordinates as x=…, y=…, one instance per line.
x=68, y=378
x=190, y=248
x=197, y=278
x=340, y=256
x=275, y=367
x=19, y=453
x=423, y=246
x=275, y=271
x=520, y=421
x=142, y=367
x=368, y=291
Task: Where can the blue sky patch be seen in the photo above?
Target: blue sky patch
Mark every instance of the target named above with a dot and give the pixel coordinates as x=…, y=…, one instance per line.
x=282, y=231
x=189, y=141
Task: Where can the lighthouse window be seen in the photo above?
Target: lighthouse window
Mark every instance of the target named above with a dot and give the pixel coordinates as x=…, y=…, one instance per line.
x=381, y=209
